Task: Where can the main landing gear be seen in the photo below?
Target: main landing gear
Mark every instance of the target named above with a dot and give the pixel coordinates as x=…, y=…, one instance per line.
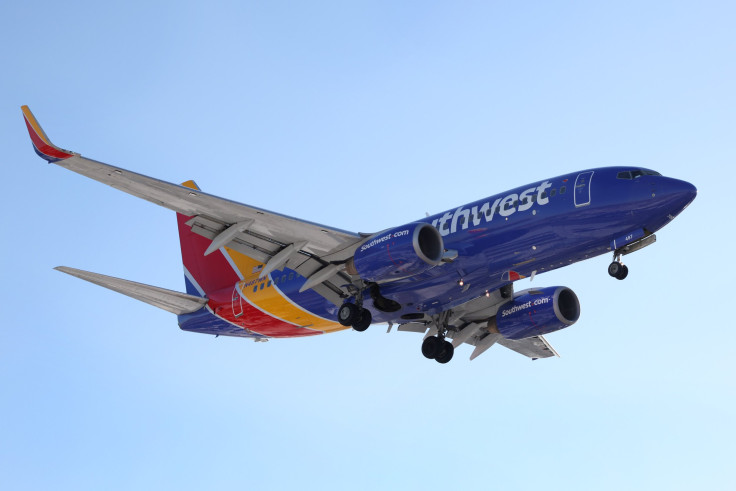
x=617, y=269
x=352, y=315
x=437, y=347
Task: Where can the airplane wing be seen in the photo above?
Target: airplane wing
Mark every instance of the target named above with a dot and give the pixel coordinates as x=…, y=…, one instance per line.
x=470, y=322
x=273, y=239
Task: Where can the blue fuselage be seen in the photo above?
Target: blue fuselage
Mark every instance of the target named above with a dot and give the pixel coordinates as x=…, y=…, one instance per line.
x=538, y=228
x=528, y=230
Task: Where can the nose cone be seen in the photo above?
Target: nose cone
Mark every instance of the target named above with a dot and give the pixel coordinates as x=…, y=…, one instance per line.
x=680, y=194
x=686, y=191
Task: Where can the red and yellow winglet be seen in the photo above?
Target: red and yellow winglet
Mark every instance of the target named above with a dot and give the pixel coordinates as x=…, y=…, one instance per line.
x=41, y=143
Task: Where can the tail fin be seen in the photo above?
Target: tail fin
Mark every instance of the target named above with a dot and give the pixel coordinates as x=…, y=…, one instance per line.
x=203, y=274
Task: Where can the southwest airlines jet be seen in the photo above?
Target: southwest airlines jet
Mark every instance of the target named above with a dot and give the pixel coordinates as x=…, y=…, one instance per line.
x=257, y=274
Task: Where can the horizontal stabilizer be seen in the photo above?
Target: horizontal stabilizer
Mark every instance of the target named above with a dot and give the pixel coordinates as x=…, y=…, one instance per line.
x=169, y=300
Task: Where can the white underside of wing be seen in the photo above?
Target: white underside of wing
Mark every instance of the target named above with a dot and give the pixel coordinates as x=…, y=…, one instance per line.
x=191, y=202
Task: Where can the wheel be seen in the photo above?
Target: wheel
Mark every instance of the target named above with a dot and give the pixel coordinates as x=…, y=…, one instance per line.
x=348, y=314
x=363, y=321
x=623, y=273
x=446, y=352
x=431, y=346
x=614, y=269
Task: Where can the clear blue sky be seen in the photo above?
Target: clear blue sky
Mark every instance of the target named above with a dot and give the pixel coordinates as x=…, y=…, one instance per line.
x=361, y=115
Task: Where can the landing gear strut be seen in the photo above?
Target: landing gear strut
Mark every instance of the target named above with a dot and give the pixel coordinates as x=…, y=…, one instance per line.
x=353, y=314
x=437, y=347
x=617, y=269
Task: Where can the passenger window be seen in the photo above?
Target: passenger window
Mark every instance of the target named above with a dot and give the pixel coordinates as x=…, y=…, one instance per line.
x=489, y=211
x=446, y=226
x=255, y=288
x=544, y=194
x=262, y=285
x=268, y=285
x=563, y=189
x=283, y=278
x=291, y=276
x=462, y=219
x=552, y=193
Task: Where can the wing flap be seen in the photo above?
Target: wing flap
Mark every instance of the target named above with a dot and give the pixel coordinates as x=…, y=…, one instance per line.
x=169, y=300
x=534, y=347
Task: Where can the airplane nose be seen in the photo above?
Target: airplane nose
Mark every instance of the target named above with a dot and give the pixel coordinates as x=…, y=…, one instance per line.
x=679, y=193
x=686, y=191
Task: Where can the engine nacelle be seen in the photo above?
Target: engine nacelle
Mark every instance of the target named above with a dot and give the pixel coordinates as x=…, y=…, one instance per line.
x=536, y=312
x=398, y=253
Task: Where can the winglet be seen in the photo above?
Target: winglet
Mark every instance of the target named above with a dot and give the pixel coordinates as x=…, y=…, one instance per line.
x=41, y=143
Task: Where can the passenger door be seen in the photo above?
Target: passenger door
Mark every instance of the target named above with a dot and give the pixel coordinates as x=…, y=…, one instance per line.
x=582, y=189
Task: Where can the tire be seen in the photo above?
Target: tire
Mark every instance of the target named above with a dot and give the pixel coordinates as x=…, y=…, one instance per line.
x=446, y=352
x=615, y=268
x=348, y=314
x=431, y=346
x=623, y=273
x=364, y=321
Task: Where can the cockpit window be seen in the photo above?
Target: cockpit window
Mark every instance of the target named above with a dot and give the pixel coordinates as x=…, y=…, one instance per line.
x=635, y=174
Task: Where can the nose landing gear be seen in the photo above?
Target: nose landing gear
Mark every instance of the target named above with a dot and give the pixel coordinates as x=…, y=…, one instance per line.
x=617, y=269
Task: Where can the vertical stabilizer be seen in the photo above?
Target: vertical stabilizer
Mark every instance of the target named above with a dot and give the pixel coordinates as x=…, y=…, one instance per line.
x=204, y=274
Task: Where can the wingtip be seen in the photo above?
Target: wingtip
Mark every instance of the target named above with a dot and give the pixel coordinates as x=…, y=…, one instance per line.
x=41, y=143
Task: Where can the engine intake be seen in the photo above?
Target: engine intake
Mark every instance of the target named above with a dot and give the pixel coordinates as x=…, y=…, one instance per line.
x=536, y=312
x=397, y=253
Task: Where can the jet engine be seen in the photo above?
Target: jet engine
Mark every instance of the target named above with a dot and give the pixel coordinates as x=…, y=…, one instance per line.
x=536, y=312
x=397, y=253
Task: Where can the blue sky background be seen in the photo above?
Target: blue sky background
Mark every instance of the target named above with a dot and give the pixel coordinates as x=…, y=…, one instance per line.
x=361, y=115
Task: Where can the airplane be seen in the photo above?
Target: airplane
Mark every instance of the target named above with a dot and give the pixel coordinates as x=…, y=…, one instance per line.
x=258, y=274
